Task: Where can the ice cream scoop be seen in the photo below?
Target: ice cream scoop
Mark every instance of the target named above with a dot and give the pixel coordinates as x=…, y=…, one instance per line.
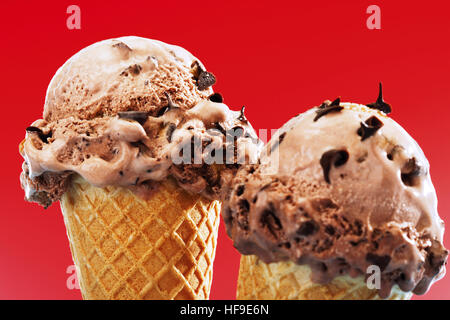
x=119, y=111
x=136, y=147
x=340, y=188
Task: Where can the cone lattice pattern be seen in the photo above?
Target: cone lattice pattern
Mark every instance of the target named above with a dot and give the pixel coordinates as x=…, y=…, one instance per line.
x=289, y=281
x=125, y=247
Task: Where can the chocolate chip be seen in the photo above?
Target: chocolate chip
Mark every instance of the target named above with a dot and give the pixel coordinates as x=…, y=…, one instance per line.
x=380, y=104
x=170, y=131
x=242, y=115
x=332, y=157
x=244, y=206
x=216, y=97
x=219, y=127
x=327, y=108
x=308, y=228
x=237, y=132
x=162, y=111
x=170, y=103
x=44, y=137
x=330, y=230
x=134, y=69
x=410, y=171
x=278, y=142
x=139, y=116
x=335, y=102
x=369, y=127
x=205, y=80
x=240, y=190
x=196, y=69
x=271, y=222
x=380, y=261
x=121, y=45
x=121, y=173
x=281, y=138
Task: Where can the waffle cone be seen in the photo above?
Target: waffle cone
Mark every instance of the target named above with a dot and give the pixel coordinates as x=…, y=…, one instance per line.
x=125, y=247
x=289, y=281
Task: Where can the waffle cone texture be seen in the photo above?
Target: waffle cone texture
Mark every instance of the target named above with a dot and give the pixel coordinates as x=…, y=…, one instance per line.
x=125, y=247
x=289, y=281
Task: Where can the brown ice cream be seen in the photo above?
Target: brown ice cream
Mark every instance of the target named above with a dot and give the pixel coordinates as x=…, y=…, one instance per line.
x=120, y=111
x=339, y=188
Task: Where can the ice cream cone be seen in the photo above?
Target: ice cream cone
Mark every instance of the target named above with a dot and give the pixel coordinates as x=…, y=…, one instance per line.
x=125, y=247
x=289, y=281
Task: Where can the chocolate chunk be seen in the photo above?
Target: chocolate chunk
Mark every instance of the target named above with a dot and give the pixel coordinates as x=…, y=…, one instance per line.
x=327, y=108
x=44, y=137
x=308, y=228
x=205, y=80
x=380, y=261
x=139, y=116
x=170, y=131
x=332, y=157
x=216, y=97
x=380, y=104
x=410, y=171
x=369, y=127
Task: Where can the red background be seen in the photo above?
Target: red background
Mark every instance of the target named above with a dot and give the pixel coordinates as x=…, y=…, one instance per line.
x=278, y=58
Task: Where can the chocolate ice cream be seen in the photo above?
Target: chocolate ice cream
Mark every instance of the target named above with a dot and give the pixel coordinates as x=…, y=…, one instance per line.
x=339, y=188
x=121, y=111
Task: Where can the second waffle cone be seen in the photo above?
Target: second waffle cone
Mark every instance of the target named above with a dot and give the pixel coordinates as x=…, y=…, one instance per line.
x=289, y=281
x=125, y=247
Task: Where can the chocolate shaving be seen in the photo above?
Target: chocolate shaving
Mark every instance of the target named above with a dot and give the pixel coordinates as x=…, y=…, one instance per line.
x=369, y=127
x=170, y=131
x=330, y=158
x=44, y=137
x=380, y=104
x=410, y=171
x=139, y=116
x=325, y=108
x=216, y=97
